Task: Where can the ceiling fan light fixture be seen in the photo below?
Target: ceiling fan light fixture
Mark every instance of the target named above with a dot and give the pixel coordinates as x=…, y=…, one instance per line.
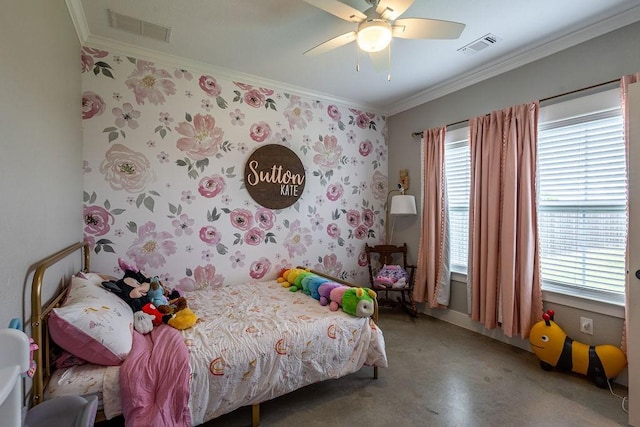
x=374, y=35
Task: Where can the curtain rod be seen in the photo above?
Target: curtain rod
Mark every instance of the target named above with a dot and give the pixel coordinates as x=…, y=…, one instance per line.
x=421, y=134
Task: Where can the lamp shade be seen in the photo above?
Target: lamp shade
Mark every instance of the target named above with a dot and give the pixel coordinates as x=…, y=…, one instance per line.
x=374, y=35
x=403, y=204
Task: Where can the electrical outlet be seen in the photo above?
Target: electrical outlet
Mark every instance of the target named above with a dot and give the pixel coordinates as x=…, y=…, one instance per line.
x=586, y=325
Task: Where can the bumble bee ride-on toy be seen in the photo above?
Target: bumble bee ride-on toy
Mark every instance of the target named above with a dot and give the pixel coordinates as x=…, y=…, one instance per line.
x=554, y=348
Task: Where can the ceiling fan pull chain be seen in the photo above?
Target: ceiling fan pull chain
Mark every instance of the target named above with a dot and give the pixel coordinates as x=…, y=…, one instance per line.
x=389, y=63
x=357, y=59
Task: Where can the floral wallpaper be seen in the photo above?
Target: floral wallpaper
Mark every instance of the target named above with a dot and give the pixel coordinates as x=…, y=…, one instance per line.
x=164, y=156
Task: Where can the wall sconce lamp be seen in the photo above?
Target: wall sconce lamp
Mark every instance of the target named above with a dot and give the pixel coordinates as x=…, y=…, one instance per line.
x=401, y=204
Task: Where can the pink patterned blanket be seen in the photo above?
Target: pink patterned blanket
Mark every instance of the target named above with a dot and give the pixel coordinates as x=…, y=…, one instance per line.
x=154, y=380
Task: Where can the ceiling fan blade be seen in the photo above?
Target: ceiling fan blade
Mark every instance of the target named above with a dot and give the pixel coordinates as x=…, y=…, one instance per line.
x=423, y=28
x=380, y=59
x=332, y=44
x=339, y=9
x=392, y=9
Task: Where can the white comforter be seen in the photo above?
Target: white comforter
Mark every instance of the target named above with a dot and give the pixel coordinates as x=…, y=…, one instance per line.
x=253, y=342
x=257, y=341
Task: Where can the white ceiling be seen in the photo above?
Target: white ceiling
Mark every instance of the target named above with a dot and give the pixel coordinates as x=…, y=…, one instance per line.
x=262, y=41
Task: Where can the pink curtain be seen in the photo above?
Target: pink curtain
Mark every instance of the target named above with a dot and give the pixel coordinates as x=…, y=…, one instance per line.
x=432, y=275
x=503, y=245
x=625, y=81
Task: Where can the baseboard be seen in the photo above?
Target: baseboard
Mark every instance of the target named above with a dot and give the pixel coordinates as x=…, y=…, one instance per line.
x=464, y=321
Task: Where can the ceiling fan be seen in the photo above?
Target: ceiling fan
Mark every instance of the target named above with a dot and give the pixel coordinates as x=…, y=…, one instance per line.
x=379, y=24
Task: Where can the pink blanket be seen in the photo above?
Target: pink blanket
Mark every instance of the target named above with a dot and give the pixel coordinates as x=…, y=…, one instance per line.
x=154, y=380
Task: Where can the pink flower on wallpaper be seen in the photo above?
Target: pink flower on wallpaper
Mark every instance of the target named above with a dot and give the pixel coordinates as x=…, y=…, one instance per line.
x=362, y=259
x=210, y=235
x=148, y=82
x=265, y=218
x=259, y=268
x=362, y=121
x=92, y=105
x=334, y=112
x=330, y=265
x=360, y=232
x=333, y=230
x=87, y=56
x=365, y=148
x=126, y=116
x=368, y=217
x=179, y=73
x=335, y=191
x=203, y=278
x=242, y=219
x=260, y=131
x=211, y=186
x=298, y=113
x=97, y=220
x=254, y=98
x=298, y=239
x=237, y=117
x=202, y=139
x=379, y=185
x=151, y=247
x=243, y=86
x=96, y=53
x=254, y=236
x=329, y=152
x=210, y=86
x=86, y=62
x=125, y=169
x=353, y=218
x=183, y=225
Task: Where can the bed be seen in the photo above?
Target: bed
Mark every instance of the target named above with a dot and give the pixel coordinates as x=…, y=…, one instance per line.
x=253, y=342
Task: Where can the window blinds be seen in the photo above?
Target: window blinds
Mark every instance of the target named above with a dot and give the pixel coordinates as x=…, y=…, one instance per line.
x=582, y=200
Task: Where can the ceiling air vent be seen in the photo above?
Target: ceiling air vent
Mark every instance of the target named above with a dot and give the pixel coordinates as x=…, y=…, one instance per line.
x=481, y=44
x=142, y=28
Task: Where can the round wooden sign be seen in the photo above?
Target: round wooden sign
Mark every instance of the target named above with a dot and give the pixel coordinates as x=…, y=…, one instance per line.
x=274, y=176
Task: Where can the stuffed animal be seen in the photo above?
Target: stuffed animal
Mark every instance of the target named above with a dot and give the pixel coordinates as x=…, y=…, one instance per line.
x=148, y=295
x=553, y=347
x=391, y=276
x=313, y=286
x=325, y=291
x=289, y=276
x=305, y=283
x=156, y=292
x=132, y=288
x=143, y=322
x=297, y=282
x=183, y=319
x=355, y=301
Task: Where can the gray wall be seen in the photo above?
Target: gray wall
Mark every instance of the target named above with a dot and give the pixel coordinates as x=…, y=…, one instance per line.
x=596, y=61
x=40, y=143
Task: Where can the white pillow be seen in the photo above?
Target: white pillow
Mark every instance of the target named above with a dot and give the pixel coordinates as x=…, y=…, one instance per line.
x=93, y=323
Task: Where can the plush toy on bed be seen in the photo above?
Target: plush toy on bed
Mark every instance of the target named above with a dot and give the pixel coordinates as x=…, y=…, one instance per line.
x=148, y=295
x=325, y=291
x=290, y=279
x=355, y=301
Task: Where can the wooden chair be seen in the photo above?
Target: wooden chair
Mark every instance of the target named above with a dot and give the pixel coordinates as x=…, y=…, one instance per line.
x=377, y=257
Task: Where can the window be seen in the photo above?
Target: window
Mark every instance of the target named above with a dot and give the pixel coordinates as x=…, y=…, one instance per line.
x=457, y=167
x=582, y=196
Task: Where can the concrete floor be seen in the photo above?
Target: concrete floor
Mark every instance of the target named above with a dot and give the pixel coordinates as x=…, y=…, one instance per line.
x=443, y=375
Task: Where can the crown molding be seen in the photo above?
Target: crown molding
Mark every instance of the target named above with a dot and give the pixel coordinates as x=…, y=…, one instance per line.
x=225, y=73
x=519, y=59
x=79, y=19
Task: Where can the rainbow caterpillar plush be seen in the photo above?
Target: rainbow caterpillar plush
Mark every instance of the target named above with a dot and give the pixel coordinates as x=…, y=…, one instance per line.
x=554, y=348
x=355, y=301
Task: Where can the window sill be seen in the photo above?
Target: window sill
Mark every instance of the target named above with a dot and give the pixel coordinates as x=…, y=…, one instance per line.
x=578, y=302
